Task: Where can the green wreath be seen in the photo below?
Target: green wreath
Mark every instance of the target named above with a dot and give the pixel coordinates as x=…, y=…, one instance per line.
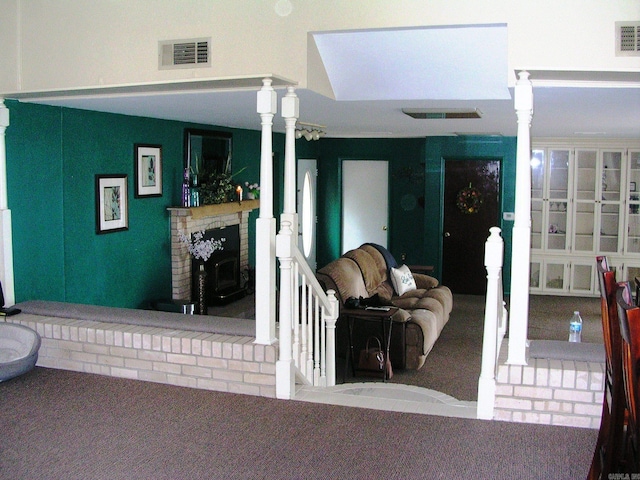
x=469, y=200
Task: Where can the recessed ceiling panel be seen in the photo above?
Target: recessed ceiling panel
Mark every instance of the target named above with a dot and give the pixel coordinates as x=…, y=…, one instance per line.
x=435, y=63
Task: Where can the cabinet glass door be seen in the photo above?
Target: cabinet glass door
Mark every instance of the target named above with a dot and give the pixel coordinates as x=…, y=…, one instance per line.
x=585, y=197
x=558, y=199
x=554, y=276
x=610, y=205
x=582, y=278
x=633, y=224
x=538, y=163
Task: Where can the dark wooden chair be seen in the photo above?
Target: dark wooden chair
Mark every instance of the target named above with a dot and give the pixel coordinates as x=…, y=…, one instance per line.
x=608, y=456
x=629, y=319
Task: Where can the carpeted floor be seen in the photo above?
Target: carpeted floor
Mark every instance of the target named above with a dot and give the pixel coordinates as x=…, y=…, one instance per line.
x=57, y=424
x=453, y=365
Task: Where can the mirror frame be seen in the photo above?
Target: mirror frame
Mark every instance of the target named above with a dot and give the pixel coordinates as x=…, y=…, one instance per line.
x=190, y=133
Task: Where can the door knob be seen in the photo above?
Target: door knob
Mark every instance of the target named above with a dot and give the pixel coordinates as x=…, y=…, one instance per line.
x=447, y=234
x=384, y=227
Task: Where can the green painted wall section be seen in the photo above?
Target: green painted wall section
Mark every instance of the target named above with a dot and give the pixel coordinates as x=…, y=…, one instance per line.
x=416, y=168
x=53, y=155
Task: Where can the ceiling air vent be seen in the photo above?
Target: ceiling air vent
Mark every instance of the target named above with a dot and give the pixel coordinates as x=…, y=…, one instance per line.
x=627, y=38
x=441, y=113
x=184, y=53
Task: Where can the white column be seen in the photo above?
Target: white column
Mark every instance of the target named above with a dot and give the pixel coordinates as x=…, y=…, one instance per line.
x=521, y=239
x=6, y=241
x=493, y=258
x=290, y=113
x=266, y=224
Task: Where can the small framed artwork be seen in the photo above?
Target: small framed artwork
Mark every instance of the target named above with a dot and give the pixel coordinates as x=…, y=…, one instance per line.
x=111, y=203
x=148, y=170
x=632, y=186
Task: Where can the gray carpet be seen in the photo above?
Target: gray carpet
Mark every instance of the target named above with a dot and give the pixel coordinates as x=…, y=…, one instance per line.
x=453, y=365
x=67, y=425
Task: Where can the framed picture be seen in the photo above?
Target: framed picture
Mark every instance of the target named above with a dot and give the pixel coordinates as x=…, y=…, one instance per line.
x=148, y=170
x=111, y=203
x=632, y=186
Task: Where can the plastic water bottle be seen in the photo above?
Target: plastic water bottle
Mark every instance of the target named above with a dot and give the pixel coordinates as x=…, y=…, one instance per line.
x=575, y=327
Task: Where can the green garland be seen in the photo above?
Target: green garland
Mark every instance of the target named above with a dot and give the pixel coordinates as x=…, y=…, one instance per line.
x=469, y=200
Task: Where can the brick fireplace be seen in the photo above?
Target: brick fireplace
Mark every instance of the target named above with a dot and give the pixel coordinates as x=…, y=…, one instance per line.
x=193, y=219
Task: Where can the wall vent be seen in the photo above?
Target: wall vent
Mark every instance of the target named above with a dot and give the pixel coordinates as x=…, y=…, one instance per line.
x=441, y=113
x=184, y=53
x=627, y=39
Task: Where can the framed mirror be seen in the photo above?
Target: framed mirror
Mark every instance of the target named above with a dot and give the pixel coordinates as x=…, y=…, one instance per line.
x=207, y=152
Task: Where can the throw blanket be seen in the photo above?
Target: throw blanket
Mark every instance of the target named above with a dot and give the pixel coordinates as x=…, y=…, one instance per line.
x=388, y=258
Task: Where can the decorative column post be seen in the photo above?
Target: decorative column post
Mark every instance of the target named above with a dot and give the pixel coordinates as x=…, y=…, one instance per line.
x=521, y=239
x=6, y=241
x=285, y=365
x=493, y=258
x=266, y=224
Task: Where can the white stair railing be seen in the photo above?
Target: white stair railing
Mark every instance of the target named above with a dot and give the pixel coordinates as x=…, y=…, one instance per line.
x=307, y=344
x=307, y=321
x=495, y=324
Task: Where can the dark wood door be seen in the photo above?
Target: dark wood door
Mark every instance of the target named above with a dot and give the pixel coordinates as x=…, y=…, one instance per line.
x=467, y=221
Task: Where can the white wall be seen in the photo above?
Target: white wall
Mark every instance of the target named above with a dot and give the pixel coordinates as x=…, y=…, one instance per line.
x=48, y=44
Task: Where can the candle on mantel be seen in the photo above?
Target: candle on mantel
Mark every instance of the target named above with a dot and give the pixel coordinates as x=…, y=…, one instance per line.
x=239, y=192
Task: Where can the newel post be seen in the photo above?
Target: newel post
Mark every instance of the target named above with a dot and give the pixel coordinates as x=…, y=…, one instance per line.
x=266, y=223
x=6, y=245
x=521, y=239
x=285, y=366
x=493, y=259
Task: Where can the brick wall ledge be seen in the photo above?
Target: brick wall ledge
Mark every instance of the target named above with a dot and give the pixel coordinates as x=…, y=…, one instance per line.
x=550, y=391
x=210, y=361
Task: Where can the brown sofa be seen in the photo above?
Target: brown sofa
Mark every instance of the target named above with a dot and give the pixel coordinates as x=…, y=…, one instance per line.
x=365, y=273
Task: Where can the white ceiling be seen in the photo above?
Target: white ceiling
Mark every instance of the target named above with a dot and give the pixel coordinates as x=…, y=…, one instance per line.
x=375, y=74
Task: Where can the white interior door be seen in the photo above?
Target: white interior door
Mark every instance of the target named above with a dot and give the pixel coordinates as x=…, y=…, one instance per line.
x=365, y=203
x=306, y=208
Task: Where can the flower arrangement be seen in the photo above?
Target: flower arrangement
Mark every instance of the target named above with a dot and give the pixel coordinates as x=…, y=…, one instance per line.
x=199, y=248
x=253, y=190
x=469, y=200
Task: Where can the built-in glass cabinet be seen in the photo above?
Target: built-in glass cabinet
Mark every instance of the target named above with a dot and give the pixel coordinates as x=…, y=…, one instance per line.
x=585, y=201
x=549, y=199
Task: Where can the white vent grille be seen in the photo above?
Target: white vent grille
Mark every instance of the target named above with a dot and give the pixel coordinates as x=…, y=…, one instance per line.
x=184, y=53
x=628, y=38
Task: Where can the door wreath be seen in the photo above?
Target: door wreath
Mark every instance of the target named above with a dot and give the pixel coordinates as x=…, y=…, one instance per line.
x=469, y=200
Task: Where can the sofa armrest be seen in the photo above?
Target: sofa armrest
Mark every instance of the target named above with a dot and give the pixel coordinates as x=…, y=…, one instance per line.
x=425, y=281
x=401, y=316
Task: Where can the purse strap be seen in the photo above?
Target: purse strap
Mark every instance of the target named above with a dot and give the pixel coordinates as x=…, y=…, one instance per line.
x=376, y=339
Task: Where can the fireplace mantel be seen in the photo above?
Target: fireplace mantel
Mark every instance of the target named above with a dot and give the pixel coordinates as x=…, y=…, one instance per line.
x=188, y=220
x=217, y=209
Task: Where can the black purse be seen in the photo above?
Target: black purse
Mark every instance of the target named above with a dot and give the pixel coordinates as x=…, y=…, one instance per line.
x=372, y=360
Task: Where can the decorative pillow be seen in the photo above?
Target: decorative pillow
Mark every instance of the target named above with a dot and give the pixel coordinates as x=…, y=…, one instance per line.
x=402, y=280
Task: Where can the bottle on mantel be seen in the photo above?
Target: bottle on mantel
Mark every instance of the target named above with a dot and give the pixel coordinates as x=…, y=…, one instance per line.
x=186, y=189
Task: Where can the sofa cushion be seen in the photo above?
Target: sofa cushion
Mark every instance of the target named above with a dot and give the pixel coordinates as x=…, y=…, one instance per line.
x=402, y=280
x=346, y=277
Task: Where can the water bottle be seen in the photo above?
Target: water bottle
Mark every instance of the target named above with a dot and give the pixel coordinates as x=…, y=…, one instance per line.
x=575, y=327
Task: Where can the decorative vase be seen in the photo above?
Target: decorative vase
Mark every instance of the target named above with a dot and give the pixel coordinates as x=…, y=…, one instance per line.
x=202, y=290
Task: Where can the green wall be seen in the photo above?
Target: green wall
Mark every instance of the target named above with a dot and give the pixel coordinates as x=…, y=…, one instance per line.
x=416, y=167
x=53, y=155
